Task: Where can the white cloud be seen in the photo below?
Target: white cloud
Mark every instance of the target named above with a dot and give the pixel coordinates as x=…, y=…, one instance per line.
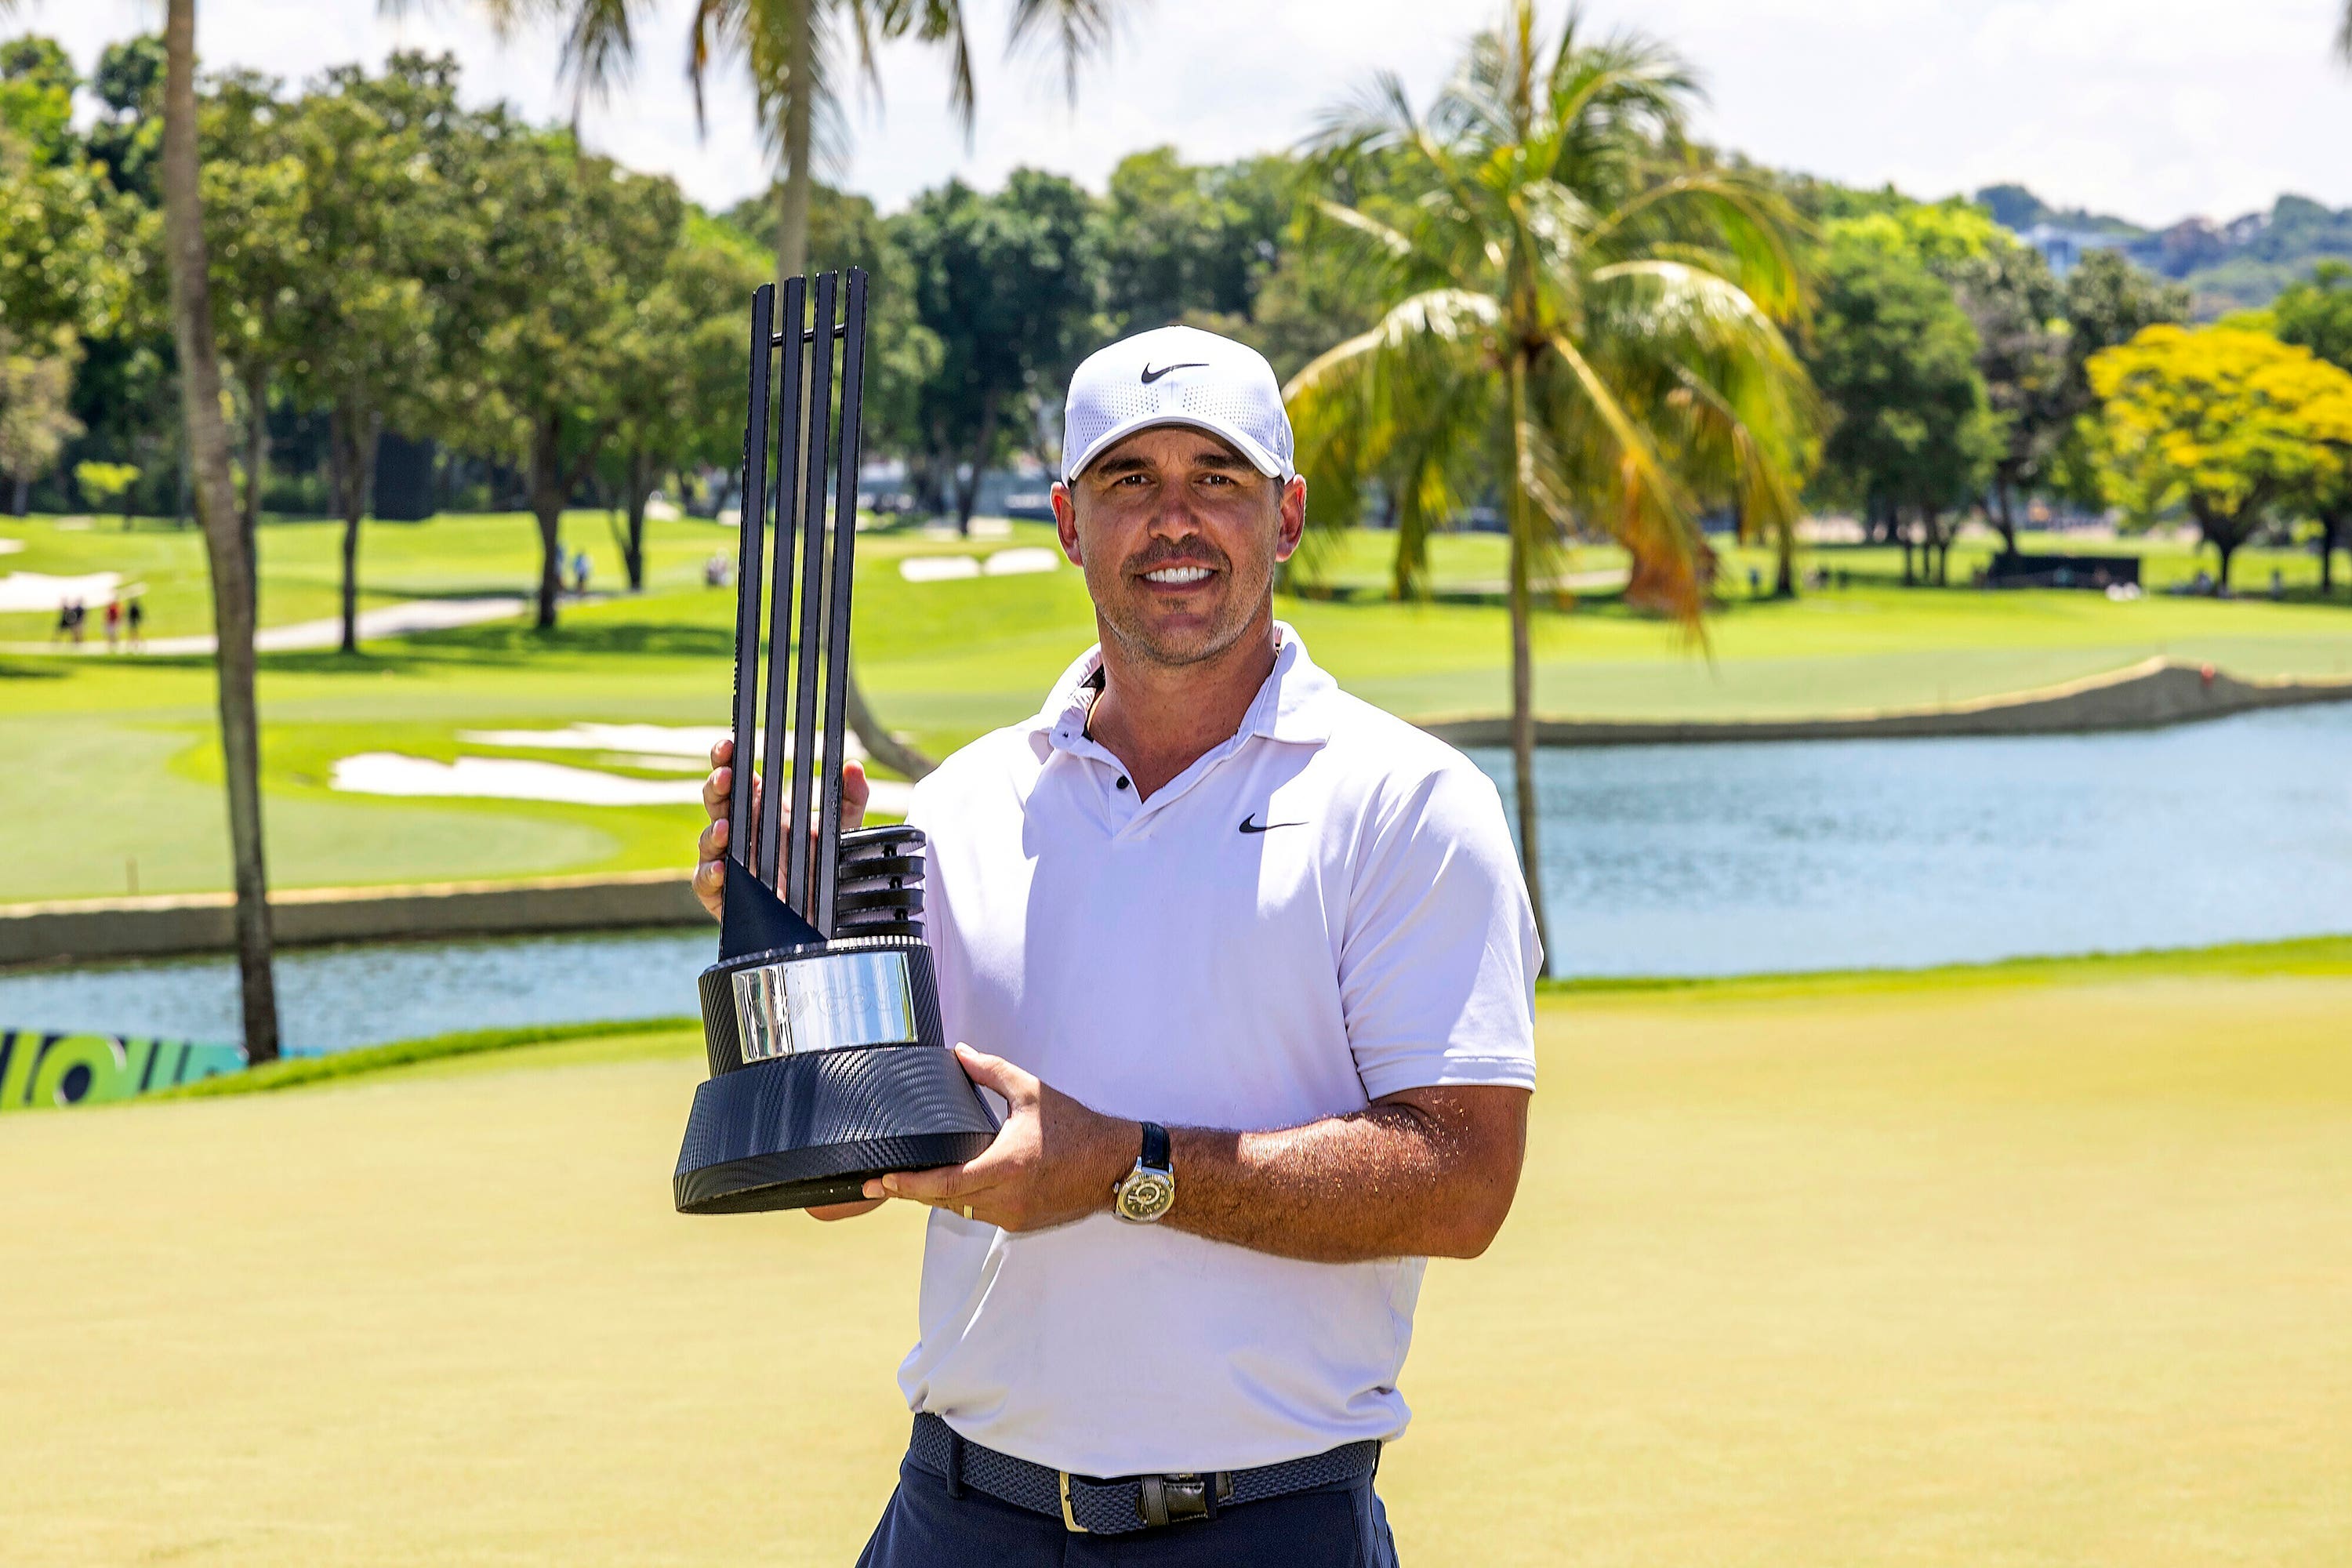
x=2151, y=108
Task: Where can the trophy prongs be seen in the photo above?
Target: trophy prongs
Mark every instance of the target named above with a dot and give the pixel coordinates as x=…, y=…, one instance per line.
x=836, y=619
x=798, y=891
x=747, y=572
x=772, y=828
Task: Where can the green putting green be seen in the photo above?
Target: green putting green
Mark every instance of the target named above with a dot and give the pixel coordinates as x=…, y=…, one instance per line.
x=113, y=782
x=2034, y=1265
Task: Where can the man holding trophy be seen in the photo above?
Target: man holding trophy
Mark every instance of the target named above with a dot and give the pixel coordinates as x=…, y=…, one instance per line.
x=1243, y=965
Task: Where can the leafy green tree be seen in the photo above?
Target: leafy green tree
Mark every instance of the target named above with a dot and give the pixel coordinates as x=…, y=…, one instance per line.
x=2221, y=422
x=255, y=197
x=60, y=277
x=37, y=82
x=2014, y=304
x=1192, y=242
x=1894, y=355
x=1576, y=310
x=2107, y=301
x=563, y=246
x=680, y=391
x=35, y=388
x=1010, y=284
x=127, y=135
x=103, y=484
x=2316, y=313
x=902, y=354
x=351, y=278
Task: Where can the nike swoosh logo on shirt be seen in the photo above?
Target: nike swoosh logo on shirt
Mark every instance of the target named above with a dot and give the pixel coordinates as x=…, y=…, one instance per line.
x=1250, y=824
x=1151, y=375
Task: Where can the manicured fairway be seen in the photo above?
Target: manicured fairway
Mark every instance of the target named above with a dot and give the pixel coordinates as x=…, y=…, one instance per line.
x=2045, y=1265
x=111, y=765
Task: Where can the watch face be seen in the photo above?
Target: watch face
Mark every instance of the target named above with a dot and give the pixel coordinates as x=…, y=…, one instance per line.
x=1146, y=1196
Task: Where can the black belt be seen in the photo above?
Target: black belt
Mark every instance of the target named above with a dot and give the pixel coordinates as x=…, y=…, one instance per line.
x=1093, y=1507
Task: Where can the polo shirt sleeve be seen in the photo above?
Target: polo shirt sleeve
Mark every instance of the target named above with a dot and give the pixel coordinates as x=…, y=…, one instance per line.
x=1436, y=966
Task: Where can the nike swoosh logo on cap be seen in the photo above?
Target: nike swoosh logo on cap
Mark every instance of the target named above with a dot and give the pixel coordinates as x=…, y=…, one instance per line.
x=1151, y=375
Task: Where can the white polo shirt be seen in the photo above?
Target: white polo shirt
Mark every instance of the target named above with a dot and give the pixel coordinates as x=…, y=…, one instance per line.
x=1324, y=910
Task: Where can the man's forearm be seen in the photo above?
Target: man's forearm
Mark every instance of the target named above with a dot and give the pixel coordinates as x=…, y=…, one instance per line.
x=1430, y=1173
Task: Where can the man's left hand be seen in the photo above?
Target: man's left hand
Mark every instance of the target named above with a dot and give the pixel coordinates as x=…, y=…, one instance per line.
x=1054, y=1161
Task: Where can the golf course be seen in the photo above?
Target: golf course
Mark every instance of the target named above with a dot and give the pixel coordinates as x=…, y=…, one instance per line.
x=2038, y=1264
x=116, y=788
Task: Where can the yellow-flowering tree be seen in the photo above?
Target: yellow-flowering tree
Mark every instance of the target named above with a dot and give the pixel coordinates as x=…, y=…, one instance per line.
x=2221, y=422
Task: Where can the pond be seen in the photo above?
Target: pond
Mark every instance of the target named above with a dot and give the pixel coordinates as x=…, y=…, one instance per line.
x=1666, y=860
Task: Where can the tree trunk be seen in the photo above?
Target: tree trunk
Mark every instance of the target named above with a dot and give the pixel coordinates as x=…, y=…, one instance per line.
x=351, y=432
x=232, y=588
x=1903, y=537
x=633, y=549
x=21, y=503
x=547, y=506
x=1784, y=580
x=256, y=456
x=2229, y=549
x=2005, y=519
x=1523, y=672
x=2331, y=527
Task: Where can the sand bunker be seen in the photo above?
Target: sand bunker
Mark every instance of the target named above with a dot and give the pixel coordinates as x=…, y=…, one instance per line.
x=1017, y=563
x=642, y=744
x=21, y=592
x=512, y=778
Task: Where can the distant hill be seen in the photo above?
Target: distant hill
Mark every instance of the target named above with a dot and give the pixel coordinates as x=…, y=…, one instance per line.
x=2234, y=266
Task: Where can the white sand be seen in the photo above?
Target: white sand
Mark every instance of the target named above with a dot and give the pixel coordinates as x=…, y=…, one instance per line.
x=938, y=568
x=1016, y=562
x=512, y=778
x=11, y=546
x=36, y=591
x=1021, y=562
x=649, y=741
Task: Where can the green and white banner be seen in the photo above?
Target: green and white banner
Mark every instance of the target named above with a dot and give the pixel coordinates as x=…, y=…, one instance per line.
x=40, y=1069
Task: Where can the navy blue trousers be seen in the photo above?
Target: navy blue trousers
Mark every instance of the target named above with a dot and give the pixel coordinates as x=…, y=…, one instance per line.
x=1341, y=1526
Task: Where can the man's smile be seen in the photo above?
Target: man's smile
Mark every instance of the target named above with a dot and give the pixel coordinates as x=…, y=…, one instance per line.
x=1178, y=575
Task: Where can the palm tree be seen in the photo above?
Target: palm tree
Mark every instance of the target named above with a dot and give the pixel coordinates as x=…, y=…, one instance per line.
x=791, y=51
x=1582, y=312
x=217, y=509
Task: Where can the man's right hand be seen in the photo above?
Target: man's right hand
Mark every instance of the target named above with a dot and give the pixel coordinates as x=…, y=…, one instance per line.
x=718, y=792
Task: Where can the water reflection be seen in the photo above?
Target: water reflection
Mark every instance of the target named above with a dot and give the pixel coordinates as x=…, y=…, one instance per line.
x=1658, y=860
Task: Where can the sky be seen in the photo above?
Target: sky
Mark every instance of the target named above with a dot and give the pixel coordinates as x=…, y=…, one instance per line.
x=2153, y=110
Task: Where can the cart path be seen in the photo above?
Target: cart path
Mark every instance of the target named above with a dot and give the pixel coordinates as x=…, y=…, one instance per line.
x=384, y=621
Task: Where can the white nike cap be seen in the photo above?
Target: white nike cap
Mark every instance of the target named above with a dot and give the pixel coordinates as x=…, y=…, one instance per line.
x=1177, y=375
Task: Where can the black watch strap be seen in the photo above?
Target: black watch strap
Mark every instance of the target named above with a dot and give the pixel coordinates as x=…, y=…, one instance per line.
x=1157, y=1153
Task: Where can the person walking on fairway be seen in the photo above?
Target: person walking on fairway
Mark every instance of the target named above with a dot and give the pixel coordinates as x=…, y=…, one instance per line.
x=1246, y=964
x=138, y=621
x=114, y=625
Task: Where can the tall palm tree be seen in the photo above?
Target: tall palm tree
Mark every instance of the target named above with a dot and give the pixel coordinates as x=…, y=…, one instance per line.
x=791, y=51
x=231, y=580
x=1582, y=312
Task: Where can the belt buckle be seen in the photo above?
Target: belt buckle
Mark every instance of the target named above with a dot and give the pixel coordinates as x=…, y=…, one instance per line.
x=1185, y=1494
x=1069, y=1517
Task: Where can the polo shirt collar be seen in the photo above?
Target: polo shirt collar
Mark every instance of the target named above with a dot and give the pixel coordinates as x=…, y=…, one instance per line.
x=1293, y=706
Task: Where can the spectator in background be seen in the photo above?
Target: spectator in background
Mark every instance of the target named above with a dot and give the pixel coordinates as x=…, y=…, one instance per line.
x=138, y=618
x=114, y=625
x=580, y=570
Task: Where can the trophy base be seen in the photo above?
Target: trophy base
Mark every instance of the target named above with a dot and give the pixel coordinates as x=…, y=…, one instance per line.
x=799, y=1130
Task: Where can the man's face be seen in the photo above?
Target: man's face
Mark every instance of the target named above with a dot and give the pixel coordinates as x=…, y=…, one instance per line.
x=1178, y=536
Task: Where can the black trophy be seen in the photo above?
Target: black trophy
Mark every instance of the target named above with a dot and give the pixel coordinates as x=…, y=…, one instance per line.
x=821, y=1017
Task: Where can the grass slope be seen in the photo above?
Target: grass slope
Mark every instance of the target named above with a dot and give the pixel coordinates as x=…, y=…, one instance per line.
x=117, y=772
x=2027, y=1274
